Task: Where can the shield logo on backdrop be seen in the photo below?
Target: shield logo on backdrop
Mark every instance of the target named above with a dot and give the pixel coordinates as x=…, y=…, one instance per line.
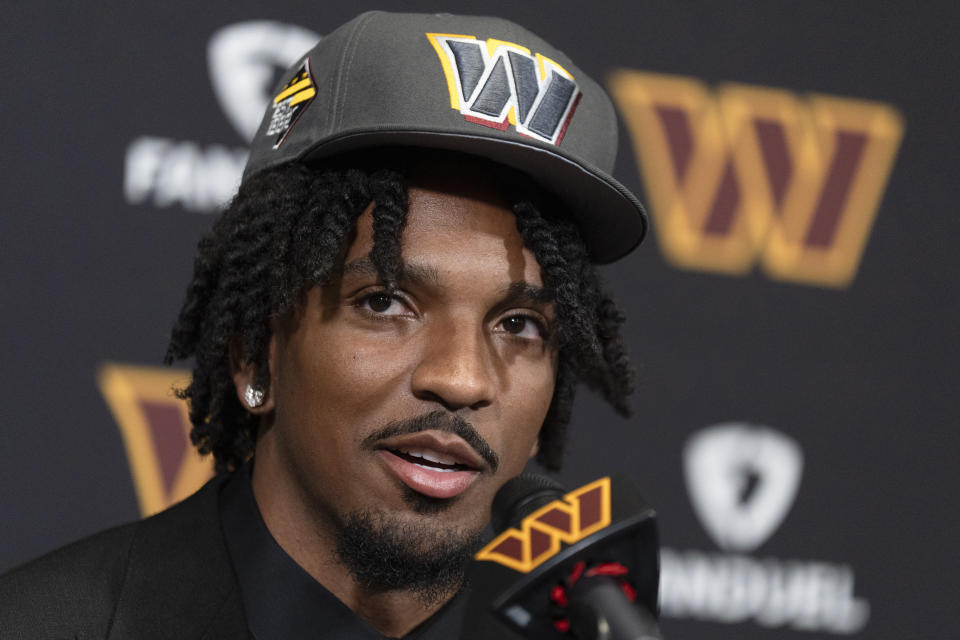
x=156, y=433
x=245, y=59
x=742, y=480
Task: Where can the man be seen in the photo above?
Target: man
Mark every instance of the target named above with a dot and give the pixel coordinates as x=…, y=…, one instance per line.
x=386, y=323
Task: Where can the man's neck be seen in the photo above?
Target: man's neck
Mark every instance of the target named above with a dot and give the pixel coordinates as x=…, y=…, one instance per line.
x=309, y=539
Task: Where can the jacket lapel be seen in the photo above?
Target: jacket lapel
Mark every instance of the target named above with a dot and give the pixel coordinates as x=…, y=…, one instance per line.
x=179, y=581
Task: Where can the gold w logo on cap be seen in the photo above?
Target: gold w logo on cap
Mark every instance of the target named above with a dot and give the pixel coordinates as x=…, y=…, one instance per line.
x=497, y=83
x=751, y=174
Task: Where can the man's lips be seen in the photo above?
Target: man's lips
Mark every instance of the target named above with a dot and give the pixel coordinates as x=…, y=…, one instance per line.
x=436, y=464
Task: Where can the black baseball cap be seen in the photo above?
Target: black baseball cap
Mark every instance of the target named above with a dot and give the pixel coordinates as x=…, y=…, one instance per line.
x=478, y=85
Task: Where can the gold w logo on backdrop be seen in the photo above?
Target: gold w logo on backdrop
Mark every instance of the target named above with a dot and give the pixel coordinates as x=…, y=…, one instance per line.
x=541, y=533
x=751, y=174
x=156, y=433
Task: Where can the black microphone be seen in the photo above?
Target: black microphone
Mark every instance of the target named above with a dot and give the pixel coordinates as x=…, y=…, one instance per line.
x=582, y=564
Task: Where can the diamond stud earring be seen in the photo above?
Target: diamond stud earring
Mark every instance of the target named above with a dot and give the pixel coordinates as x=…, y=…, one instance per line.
x=253, y=396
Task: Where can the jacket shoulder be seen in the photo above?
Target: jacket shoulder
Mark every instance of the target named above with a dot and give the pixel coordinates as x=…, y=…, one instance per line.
x=77, y=590
x=68, y=591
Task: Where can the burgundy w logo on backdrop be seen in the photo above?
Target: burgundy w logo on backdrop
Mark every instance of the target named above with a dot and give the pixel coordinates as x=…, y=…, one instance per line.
x=746, y=174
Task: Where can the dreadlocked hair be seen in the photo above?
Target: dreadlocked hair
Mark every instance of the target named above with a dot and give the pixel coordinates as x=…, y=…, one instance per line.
x=288, y=229
x=588, y=332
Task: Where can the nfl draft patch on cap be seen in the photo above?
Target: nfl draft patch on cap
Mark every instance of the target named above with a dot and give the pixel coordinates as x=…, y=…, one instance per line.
x=287, y=106
x=478, y=85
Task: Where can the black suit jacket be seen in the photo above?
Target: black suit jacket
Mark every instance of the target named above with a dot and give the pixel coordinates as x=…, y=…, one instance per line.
x=168, y=576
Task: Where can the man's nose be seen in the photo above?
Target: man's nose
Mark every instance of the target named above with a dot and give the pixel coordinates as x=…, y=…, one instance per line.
x=456, y=368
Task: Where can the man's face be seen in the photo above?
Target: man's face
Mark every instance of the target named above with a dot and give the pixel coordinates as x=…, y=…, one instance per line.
x=462, y=340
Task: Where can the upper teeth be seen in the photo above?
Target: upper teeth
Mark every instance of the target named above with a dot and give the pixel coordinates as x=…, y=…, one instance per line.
x=429, y=455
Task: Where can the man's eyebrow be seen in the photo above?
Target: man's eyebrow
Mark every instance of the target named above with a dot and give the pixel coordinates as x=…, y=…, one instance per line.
x=525, y=292
x=515, y=292
x=412, y=273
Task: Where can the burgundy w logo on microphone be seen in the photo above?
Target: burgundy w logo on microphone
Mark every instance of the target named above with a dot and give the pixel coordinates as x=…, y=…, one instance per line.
x=539, y=537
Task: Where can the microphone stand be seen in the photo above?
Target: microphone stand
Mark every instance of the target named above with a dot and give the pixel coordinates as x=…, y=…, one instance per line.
x=600, y=611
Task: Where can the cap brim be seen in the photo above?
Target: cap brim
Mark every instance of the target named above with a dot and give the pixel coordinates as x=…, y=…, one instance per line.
x=611, y=220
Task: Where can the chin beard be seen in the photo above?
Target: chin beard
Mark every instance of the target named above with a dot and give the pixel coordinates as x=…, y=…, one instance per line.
x=386, y=553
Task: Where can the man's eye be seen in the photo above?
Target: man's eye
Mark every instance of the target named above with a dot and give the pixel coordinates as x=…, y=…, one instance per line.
x=382, y=303
x=522, y=326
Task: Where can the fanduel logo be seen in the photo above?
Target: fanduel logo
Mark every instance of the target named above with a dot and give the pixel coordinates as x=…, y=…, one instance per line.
x=497, y=83
x=742, y=480
x=244, y=62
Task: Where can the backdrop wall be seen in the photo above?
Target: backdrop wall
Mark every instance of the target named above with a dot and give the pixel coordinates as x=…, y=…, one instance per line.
x=792, y=314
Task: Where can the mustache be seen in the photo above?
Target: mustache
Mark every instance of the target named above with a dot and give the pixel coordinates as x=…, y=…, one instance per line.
x=437, y=421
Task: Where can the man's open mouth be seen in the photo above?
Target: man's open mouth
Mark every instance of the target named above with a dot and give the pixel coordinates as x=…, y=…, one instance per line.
x=435, y=464
x=430, y=459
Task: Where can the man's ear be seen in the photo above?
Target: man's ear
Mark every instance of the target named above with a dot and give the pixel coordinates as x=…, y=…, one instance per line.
x=255, y=400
